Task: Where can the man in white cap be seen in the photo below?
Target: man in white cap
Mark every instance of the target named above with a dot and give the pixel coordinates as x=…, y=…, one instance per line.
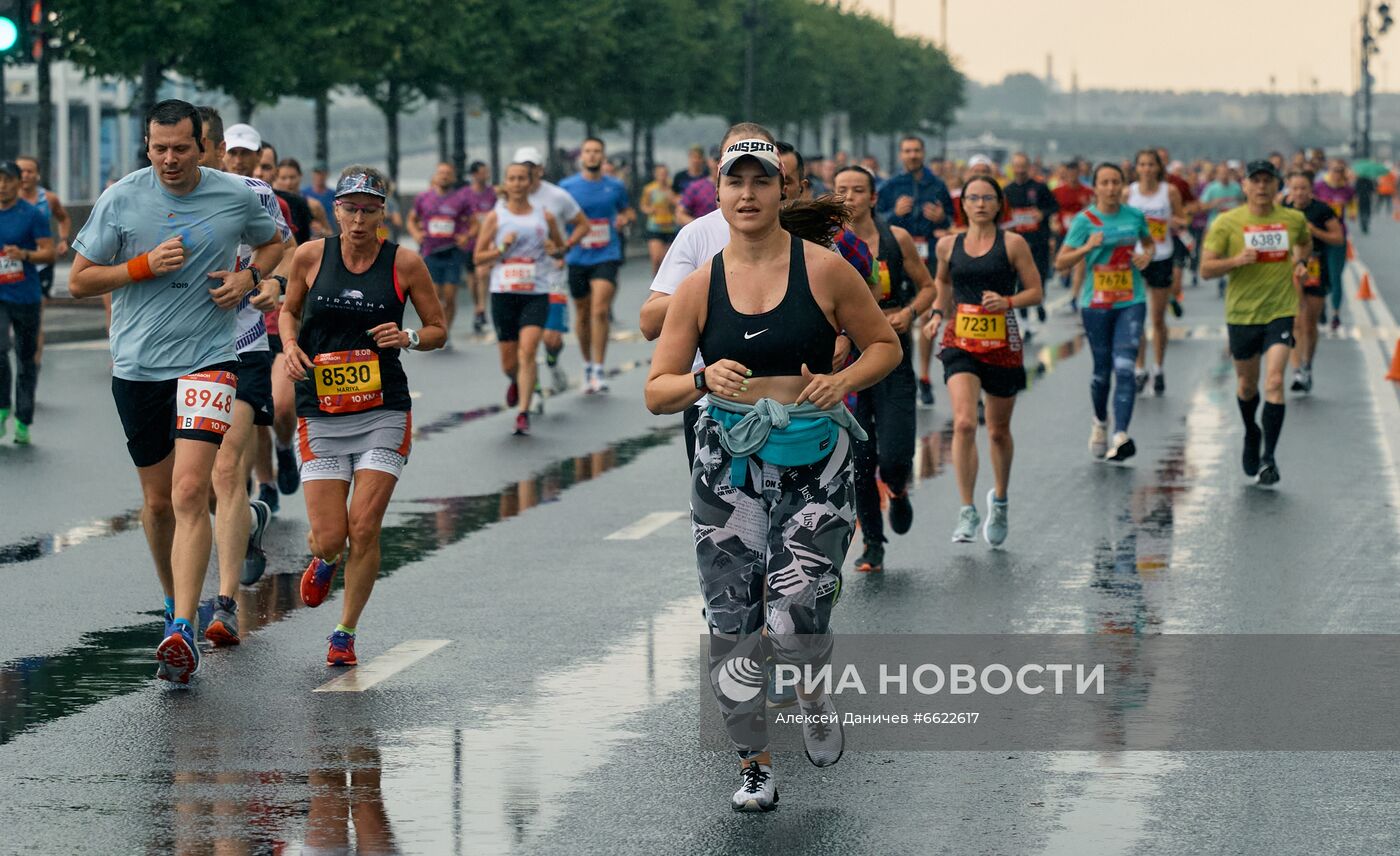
x=237, y=533
x=574, y=223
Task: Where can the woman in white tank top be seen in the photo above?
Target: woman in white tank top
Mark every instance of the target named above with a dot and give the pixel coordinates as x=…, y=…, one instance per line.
x=516, y=242
x=1161, y=204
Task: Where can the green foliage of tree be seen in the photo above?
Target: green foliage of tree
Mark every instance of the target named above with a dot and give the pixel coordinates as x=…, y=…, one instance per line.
x=604, y=62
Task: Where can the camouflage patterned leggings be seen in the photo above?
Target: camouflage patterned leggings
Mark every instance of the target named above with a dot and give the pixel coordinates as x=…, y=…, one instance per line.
x=770, y=553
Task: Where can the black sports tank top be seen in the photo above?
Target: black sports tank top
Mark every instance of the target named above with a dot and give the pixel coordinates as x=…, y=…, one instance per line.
x=775, y=343
x=351, y=375
x=991, y=271
x=993, y=339
x=900, y=291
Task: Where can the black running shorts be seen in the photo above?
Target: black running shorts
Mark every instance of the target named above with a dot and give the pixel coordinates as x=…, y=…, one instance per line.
x=1248, y=341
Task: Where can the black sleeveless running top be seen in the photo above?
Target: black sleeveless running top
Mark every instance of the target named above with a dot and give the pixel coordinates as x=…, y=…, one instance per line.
x=775, y=343
x=339, y=308
x=991, y=271
x=901, y=288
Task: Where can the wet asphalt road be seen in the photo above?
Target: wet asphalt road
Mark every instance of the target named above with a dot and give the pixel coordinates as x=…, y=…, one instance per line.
x=560, y=716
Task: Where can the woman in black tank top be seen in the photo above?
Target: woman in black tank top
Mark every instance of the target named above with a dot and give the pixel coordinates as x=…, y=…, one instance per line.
x=771, y=492
x=342, y=335
x=984, y=275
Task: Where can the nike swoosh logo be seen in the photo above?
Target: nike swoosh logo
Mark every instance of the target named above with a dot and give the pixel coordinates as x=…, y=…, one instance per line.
x=759, y=333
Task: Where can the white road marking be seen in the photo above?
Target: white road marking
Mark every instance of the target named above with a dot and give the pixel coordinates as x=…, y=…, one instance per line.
x=644, y=527
x=385, y=666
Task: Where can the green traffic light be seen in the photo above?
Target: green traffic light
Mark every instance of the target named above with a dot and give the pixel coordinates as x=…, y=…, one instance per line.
x=9, y=34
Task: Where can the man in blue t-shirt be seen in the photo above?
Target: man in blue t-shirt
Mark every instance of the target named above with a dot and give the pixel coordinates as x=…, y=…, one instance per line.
x=594, y=262
x=163, y=242
x=24, y=241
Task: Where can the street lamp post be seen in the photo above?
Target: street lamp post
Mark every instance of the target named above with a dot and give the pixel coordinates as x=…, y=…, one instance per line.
x=1369, y=48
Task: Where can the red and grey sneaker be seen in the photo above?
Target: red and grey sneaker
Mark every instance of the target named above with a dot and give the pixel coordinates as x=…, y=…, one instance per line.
x=316, y=581
x=222, y=630
x=342, y=650
x=522, y=424
x=512, y=394
x=177, y=656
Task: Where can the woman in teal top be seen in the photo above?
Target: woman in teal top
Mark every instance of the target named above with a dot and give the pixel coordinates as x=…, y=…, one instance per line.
x=1113, y=241
x=1222, y=194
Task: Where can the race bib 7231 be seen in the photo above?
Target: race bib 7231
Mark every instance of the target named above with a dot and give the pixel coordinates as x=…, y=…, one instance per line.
x=977, y=330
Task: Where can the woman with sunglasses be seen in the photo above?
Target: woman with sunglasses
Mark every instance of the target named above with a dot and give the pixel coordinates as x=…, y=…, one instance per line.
x=342, y=331
x=978, y=276
x=1114, y=301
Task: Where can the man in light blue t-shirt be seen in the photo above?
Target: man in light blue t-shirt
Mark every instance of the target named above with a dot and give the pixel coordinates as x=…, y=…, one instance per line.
x=163, y=242
x=594, y=262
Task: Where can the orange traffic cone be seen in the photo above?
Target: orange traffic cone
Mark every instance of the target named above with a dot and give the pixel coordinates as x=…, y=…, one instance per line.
x=1365, y=292
x=1351, y=251
x=1394, y=373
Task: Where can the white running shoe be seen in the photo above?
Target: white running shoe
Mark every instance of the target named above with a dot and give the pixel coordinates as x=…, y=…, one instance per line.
x=995, y=528
x=822, y=733
x=561, y=380
x=759, y=791
x=1098, y=439
x=600, y=377
x=968, y=522
x=1122, y=449
x=591, y=382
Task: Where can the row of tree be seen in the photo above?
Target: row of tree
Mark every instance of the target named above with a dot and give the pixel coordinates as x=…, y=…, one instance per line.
x=603, y=62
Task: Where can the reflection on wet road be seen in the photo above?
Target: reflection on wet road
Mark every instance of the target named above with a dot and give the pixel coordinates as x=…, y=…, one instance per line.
x=39, y=546
x=35, y=690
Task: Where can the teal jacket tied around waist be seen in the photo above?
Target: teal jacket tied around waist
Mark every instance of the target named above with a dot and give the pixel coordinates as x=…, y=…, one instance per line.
x=787, y=435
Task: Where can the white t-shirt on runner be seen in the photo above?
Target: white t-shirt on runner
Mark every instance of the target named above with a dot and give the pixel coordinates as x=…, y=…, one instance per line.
x=557, y=201
x=696, y=243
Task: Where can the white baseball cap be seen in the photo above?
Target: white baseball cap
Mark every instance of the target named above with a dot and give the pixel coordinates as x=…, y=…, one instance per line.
x=760, y=150
x=980, y=160
x=242, y=136
x=528, y=154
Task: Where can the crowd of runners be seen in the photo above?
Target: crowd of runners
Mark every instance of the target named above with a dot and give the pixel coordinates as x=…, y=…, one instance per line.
x=257, y=327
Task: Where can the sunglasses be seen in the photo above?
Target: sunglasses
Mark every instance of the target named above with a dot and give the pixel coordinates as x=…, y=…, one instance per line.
x=359, y=210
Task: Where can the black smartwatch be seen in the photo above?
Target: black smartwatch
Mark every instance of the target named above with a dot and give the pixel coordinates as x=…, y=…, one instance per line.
x=281, y=280
x=257, y=275
x=700, y=381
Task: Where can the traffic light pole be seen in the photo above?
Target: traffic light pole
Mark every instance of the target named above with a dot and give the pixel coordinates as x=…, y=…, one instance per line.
x=4, y=118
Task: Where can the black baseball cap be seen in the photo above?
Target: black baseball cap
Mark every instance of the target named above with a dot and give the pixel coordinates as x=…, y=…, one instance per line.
x=1257, y=166
x=10, y=168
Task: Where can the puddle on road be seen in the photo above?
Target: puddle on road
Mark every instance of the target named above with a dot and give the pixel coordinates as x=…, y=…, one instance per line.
x=1108, y=806
x=36, y=690
x=38, y=546
x=29, y=549
x=495, y=788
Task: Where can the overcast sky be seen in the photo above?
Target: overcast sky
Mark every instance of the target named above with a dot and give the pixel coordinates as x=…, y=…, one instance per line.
x=1187, y=44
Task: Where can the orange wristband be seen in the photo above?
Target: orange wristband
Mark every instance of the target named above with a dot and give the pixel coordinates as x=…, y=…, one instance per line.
x=139, y=268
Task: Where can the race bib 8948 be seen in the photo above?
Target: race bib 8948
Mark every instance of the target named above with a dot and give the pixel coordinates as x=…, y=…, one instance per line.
x=204, y=401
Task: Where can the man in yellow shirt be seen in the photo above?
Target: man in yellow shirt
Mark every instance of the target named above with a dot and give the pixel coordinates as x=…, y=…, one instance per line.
x=1263, y=249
